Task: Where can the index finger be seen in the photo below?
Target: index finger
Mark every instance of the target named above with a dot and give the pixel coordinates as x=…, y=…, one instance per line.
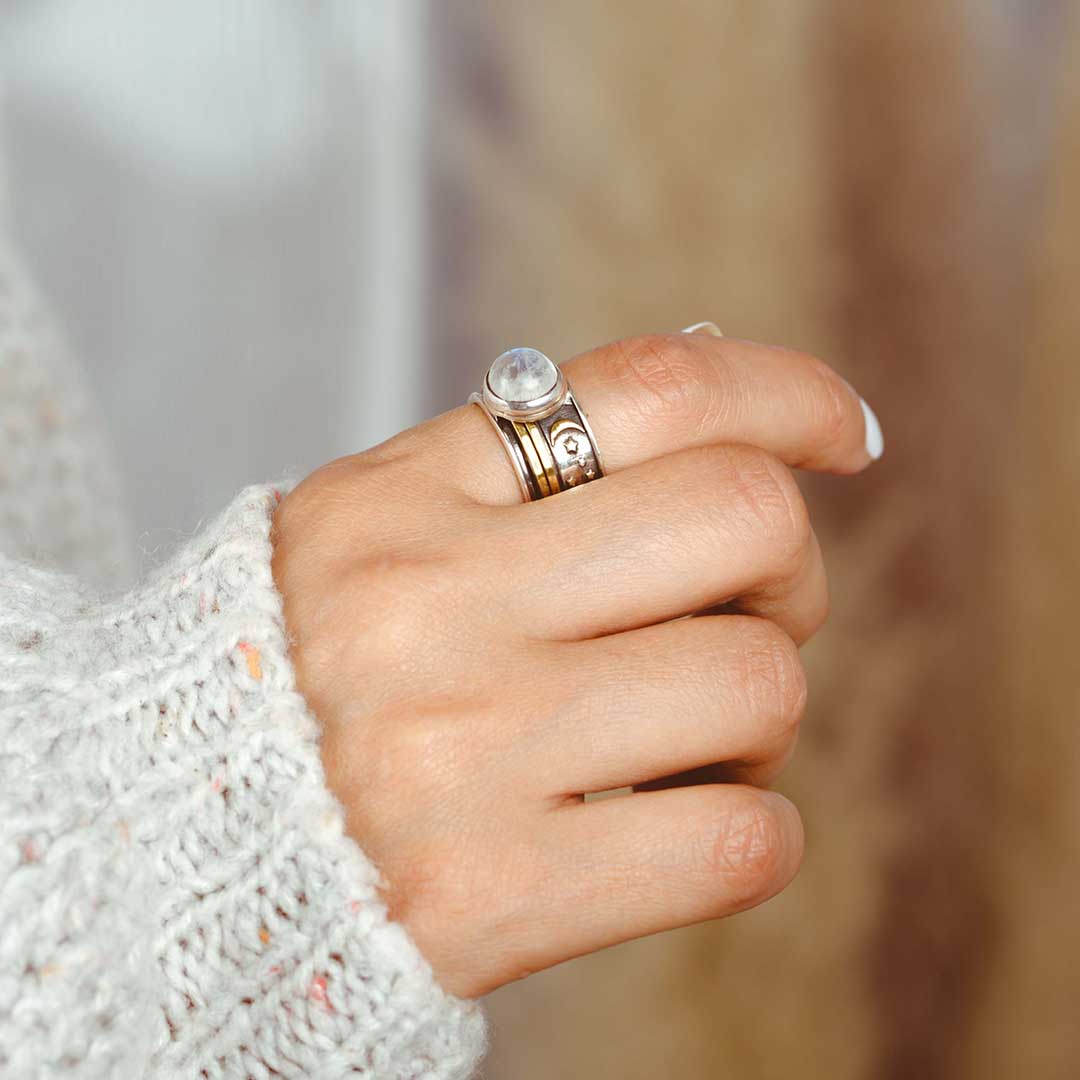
x=652, y=395
x=649, y=396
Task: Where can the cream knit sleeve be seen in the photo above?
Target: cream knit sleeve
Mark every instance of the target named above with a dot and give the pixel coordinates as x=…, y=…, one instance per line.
x=177, y=895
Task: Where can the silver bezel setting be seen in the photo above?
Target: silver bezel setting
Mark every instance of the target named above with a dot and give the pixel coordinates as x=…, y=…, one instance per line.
x=536, y=408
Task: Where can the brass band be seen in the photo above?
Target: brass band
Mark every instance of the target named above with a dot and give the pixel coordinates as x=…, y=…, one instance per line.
x=538, y=456
x=550, y=454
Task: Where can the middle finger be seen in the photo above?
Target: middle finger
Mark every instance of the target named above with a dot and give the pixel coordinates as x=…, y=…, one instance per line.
x=698, y=528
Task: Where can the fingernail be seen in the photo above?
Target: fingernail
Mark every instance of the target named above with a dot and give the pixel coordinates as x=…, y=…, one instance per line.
x=704, y=328
x=875, y=440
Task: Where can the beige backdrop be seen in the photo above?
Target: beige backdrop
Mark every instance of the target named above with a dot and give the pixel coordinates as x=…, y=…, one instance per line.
x=896, y=187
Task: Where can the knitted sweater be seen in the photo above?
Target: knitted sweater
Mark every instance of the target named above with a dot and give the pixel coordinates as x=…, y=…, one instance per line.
x=178, y=897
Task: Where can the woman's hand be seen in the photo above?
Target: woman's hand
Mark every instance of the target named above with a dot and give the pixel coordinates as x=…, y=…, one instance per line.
x=478, y=663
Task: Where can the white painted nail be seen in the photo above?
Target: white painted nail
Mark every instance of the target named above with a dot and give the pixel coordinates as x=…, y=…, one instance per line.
x=704, y=328
x=875, y=440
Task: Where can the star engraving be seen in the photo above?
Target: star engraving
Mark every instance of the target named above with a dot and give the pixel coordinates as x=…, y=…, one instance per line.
x=571, y=445
x=590, y=473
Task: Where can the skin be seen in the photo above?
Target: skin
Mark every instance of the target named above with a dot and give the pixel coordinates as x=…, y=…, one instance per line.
x=478, y=664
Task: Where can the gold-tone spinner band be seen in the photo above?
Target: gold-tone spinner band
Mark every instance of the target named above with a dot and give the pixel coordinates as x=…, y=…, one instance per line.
x=564, y=451
x=549, y=455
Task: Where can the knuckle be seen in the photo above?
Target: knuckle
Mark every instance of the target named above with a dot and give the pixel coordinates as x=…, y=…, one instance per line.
x=395, y=617
x=446, y=872
x=432, y=887
x=327, y=509
x=791, y=520
x=428, y=871
x=462, y=901
x=418, y=746
x=665, y=370
x=335, y=485
x=773, y=677
x=411, y=587
x=833, y=403
x=769, y=493
x=383, y=612
x=354, y=503
x=745, y=849
x=391, y=592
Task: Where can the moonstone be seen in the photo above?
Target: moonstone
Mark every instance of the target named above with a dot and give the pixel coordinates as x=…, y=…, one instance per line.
x=522, y=375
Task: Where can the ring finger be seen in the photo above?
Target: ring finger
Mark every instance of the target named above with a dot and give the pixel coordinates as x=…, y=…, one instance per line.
x=650, y=703
x=649, y=396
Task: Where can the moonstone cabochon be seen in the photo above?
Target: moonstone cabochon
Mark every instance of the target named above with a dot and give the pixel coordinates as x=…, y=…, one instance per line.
x=521, y=375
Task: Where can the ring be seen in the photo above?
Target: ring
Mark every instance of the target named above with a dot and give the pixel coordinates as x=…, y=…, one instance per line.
x=543, y=430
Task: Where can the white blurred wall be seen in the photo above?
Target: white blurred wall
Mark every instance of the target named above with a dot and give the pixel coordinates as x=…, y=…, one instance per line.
x=224, y=202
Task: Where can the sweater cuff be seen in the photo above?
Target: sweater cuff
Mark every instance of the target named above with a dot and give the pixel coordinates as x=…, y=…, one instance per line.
x=315, y=954
x=274, y=954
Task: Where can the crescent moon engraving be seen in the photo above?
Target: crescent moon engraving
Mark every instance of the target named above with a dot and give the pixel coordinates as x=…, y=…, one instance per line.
x=573, y=451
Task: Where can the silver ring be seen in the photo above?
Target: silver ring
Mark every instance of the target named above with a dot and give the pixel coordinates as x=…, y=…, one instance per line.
x=543, y=430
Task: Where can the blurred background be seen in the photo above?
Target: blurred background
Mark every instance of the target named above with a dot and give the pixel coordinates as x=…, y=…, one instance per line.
x=276, y=233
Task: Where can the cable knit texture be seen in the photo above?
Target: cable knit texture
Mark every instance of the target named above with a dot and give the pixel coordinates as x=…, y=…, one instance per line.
x=178, y=897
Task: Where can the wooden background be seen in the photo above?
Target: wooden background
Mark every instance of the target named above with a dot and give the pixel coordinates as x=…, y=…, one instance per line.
x=897, y=188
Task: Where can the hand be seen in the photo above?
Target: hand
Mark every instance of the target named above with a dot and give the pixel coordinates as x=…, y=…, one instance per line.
x=478, y=663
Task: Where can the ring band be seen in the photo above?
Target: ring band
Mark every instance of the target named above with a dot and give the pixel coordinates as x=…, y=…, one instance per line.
x=542, y=428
